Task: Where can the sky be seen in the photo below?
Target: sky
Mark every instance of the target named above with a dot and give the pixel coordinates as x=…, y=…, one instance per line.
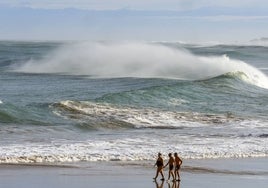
x=147, y=20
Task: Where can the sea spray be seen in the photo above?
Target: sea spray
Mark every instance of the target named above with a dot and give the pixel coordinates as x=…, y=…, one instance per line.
x=241, y=69
x=144, y=60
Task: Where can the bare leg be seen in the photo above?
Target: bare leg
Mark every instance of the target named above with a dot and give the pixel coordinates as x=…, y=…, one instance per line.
x=161, y=172
x=179, y=178
x=157, y=172
x=172, y=173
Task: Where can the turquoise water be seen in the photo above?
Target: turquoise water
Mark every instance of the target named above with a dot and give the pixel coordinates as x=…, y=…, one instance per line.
x=90, y=101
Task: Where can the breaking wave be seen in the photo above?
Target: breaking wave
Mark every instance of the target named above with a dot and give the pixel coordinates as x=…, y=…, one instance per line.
x=112, y=116
x=146, y=60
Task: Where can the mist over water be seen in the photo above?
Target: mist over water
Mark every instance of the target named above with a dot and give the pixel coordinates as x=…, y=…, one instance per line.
x=138, y=59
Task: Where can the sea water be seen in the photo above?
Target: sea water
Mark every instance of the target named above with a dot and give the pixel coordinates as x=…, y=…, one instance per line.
x=127, y=101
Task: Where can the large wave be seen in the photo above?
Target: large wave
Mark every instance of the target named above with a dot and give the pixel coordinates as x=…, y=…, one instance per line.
x=137, y=59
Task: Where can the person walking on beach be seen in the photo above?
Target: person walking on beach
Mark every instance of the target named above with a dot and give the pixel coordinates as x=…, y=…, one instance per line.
x=178, y=163
x=171, y=166
x=159, y=163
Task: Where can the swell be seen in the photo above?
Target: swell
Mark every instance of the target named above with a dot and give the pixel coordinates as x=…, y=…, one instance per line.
x=168, y=104
x=21, y=115
x=7, y=118
x=160, y=97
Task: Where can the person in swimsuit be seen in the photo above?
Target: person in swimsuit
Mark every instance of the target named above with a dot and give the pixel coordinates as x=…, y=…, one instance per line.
x=159, y=163
x=178, y=163
x=171, y=166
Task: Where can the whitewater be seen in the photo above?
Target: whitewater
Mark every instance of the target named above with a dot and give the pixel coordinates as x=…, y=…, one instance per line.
x=71, y=102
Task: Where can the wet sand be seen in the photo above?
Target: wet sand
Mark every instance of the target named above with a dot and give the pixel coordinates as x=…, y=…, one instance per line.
x=231, y=173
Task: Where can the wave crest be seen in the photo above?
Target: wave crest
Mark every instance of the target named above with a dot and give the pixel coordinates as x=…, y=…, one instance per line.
x=146, y=60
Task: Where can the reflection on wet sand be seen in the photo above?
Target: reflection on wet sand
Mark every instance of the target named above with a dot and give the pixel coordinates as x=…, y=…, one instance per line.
x=170, y=184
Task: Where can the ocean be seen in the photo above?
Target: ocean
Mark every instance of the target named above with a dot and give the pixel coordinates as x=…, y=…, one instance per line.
x=68, y=102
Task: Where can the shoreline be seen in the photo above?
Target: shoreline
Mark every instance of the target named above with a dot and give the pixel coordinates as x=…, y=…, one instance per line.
x=234, y=173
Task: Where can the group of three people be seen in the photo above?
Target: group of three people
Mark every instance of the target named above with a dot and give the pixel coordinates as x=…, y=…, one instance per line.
x=171, y=162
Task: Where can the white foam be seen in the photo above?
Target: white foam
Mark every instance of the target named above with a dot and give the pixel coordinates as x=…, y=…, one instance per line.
x=133, y=59
x=132, y=148
x=140, y=118
x=235, y=138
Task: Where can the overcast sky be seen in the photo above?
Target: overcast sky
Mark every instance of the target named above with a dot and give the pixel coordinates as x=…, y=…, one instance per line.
x=133, y=4
x=157, y=20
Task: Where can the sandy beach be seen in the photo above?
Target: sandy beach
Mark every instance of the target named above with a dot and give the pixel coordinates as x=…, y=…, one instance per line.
x=231, y=173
